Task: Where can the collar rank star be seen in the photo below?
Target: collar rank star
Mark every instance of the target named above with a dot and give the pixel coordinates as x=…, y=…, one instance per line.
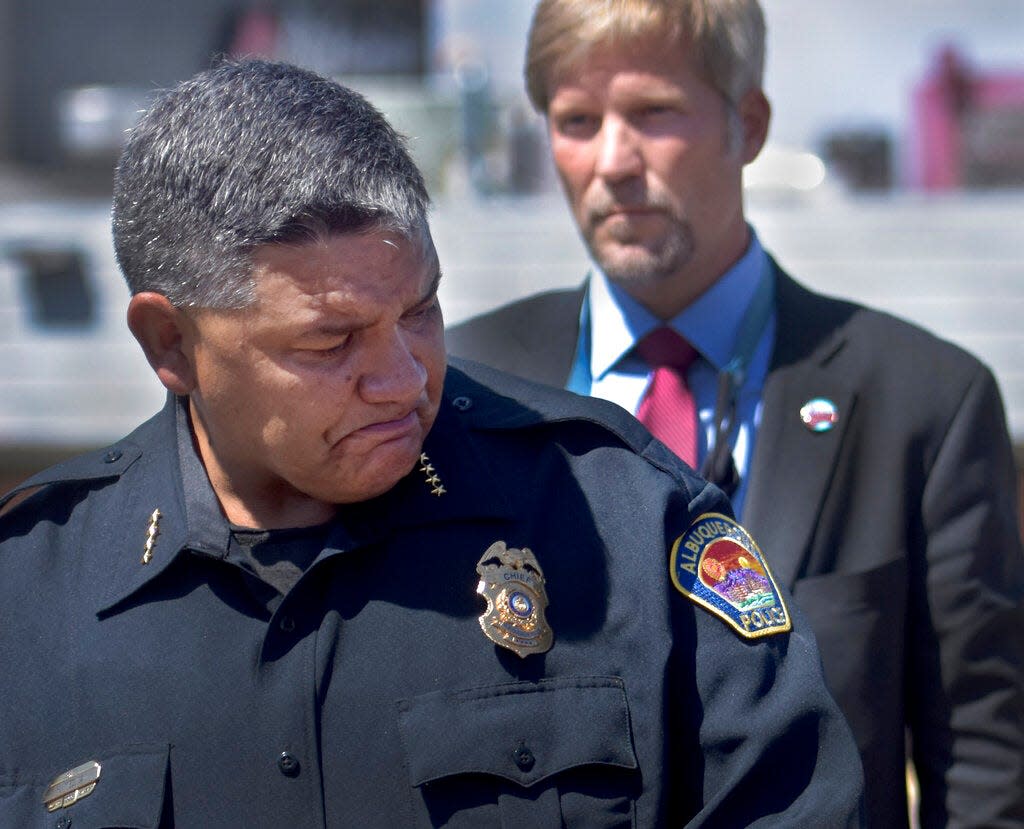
x=716, y=564
x=432, y=478
x=513, y=584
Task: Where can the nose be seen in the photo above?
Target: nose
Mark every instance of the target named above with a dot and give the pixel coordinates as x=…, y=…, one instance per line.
x=394, y=374
x=619, y=154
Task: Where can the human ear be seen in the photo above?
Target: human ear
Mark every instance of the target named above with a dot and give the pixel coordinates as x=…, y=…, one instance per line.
x=160, y=329
x=755, y=114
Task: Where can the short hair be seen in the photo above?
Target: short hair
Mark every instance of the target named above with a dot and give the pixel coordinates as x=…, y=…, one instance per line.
x=727, y=36
x=250, y=153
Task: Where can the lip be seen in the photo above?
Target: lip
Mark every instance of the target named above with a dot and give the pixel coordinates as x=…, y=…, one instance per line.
x=640, y=210
x=385, y=429
x=382, y=431
x=628, y=212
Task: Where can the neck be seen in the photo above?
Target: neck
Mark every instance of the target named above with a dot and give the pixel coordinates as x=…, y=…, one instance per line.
x=273, y=511
x=270, y=505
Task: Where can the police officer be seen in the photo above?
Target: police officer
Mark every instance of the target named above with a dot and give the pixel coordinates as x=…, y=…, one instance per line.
x=332, y=584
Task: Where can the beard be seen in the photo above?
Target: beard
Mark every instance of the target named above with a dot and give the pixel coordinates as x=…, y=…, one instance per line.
x=629, y=256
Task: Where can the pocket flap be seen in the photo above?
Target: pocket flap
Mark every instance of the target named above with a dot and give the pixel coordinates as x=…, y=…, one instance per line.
x=522, y=731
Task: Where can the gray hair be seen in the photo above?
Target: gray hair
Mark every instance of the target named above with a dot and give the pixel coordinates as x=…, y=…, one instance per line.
x=252, y=153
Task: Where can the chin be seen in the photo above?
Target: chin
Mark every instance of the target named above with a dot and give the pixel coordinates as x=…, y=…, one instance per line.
x=377, y=476
x=368, y=491
x=636, y=265
x=634, y=271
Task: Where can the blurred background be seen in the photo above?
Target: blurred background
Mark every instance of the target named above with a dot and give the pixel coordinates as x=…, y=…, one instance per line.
x=894, y=172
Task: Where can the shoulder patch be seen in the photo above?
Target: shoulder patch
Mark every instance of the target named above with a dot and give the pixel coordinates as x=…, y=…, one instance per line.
x=716, y=564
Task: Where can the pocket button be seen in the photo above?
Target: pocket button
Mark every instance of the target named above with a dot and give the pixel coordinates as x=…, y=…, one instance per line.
x=524, y=757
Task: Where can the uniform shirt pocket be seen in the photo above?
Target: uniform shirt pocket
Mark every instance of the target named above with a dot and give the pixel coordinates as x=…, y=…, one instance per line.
x=558, y=752
x=129, y=794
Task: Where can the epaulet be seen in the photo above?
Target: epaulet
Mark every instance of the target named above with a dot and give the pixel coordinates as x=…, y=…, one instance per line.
x=491, y=399
x=110, y=462
x=504, y=400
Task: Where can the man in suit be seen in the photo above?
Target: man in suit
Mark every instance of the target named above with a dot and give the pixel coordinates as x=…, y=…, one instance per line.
x=870, y=458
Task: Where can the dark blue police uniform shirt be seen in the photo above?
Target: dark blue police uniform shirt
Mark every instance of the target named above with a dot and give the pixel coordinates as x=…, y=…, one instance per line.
x=369, y=695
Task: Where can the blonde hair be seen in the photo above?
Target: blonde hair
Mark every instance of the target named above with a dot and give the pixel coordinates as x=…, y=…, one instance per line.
x=727, y=38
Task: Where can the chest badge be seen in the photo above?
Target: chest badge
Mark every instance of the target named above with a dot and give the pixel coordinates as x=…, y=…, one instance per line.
x=513, y=584
x=716, y=564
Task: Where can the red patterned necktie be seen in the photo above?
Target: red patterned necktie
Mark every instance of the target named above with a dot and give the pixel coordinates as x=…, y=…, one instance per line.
x=668, y=409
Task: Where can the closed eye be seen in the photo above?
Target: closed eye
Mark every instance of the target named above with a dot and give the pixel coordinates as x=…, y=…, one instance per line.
x=424, y=309
x=325, y=351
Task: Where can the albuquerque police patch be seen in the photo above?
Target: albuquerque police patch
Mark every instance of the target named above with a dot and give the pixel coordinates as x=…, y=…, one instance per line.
x=717, y=564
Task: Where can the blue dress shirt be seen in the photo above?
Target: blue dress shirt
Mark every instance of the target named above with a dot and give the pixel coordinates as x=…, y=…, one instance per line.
x=612, y=322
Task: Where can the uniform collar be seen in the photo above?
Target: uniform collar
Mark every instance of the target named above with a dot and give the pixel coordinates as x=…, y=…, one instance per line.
x=152, y=505
x=206, y=527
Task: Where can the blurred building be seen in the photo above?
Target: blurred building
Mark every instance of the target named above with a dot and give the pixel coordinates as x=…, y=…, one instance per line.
x=968, y=126
x=74, y=72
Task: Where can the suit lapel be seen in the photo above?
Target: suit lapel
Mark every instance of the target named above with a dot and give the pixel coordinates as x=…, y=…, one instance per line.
x=560, y=320
x=534, y=337
x=541, y=342
x=793, y=466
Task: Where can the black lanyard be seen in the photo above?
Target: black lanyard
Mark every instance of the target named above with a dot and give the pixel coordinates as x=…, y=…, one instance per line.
x=719, y=466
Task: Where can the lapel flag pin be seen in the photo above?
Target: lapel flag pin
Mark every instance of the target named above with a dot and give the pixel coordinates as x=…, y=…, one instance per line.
x=819, y=414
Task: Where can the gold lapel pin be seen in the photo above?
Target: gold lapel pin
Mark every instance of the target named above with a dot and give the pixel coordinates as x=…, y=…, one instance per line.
x=152, y=531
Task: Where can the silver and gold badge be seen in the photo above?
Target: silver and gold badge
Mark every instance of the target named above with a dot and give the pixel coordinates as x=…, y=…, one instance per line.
x=513, y=584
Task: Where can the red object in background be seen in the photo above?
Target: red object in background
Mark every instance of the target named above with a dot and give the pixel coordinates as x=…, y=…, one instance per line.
x=968, y=126
x=256, y=34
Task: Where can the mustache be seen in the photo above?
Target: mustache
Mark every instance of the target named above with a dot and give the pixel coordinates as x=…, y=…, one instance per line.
x=603, y=202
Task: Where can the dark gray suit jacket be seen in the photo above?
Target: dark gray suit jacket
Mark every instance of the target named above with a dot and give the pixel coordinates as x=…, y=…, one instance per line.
x=896, y=532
